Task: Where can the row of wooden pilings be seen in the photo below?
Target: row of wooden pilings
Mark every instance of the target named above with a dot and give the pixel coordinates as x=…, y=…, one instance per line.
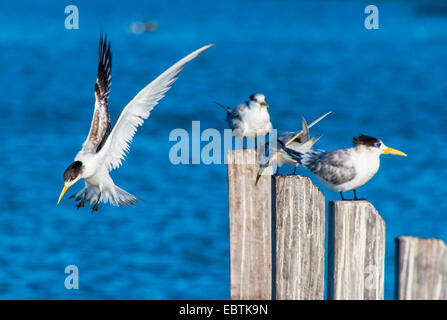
x=277, y=243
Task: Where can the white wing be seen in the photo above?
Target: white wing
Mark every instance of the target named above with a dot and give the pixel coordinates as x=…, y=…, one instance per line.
x=133, y=115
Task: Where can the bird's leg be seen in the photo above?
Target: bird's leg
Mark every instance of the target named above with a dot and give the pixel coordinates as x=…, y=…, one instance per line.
x=82, y=202
x=295, y=169
x=277, y=170
x=95, y=207
x=341, y=194
x=355, y=196
x=242, y=142
x=256, y=143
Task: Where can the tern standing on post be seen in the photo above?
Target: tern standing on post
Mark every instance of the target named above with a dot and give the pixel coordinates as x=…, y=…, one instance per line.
x=347, y=169
x=250, y=119
x=106, y=148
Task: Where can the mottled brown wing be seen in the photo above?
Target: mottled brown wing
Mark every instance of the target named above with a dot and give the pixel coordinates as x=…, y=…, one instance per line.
x=100, y=126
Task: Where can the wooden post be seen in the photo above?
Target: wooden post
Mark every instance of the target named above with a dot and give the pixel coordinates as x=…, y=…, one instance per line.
x=300, y=224
x=250, y=210
x=422, y=269
x=356, y=251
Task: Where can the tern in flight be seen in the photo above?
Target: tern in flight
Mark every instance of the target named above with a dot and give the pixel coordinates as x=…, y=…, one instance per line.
x=106, y=147
x=346, y=169
x=250, y=119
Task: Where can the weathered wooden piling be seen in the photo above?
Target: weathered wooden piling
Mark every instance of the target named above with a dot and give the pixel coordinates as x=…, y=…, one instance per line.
x=422, y=269
x=250, y=208
x=277, y=232
x=300, y=227
x=356, y=251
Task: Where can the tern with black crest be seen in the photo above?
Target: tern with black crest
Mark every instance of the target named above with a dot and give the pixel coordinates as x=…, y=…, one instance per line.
x=346, y=169
x=105, y=147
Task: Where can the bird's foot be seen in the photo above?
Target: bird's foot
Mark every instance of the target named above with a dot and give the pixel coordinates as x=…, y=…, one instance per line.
x=81, y=201
x=355, y=196
x=95, y=207
x=80, y=204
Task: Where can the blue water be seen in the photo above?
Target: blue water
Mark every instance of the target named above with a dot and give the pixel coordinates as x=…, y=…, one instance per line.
x=306, y=57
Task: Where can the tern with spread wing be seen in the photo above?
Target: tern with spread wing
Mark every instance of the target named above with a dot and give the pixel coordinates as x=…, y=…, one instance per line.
x=296, y=141
x=346, y=169
x=106, y=147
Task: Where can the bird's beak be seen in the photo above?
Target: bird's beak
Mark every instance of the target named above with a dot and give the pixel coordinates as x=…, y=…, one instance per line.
x=394, y=151
x=63, y=192
x=264, y=104
x=257, y=178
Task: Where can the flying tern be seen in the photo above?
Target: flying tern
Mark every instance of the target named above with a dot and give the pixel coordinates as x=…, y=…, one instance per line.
x=105, y=148
x=346, y=169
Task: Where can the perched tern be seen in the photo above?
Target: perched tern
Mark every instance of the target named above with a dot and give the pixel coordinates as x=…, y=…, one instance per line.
x=347, y=169
x=106, y=147
x=250, y=119
x=297, y=141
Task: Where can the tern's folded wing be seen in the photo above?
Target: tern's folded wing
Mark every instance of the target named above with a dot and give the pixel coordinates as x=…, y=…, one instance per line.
x=237, y=115
x=117, y=144
x=333, y=166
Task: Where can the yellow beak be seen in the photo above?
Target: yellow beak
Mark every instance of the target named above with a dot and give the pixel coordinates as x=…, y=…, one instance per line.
x=62, y=193
x=263, y=103
x=394, y=151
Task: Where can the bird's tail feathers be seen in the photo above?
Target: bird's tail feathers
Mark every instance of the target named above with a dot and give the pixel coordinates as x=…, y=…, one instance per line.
x=315, y=140
x=319, y=119
x=120, y=197
x=305, y=131
x=227, y=109
x=115, y=195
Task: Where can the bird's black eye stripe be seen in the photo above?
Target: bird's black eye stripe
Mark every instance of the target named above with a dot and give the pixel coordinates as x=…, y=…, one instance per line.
x=73, y=171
